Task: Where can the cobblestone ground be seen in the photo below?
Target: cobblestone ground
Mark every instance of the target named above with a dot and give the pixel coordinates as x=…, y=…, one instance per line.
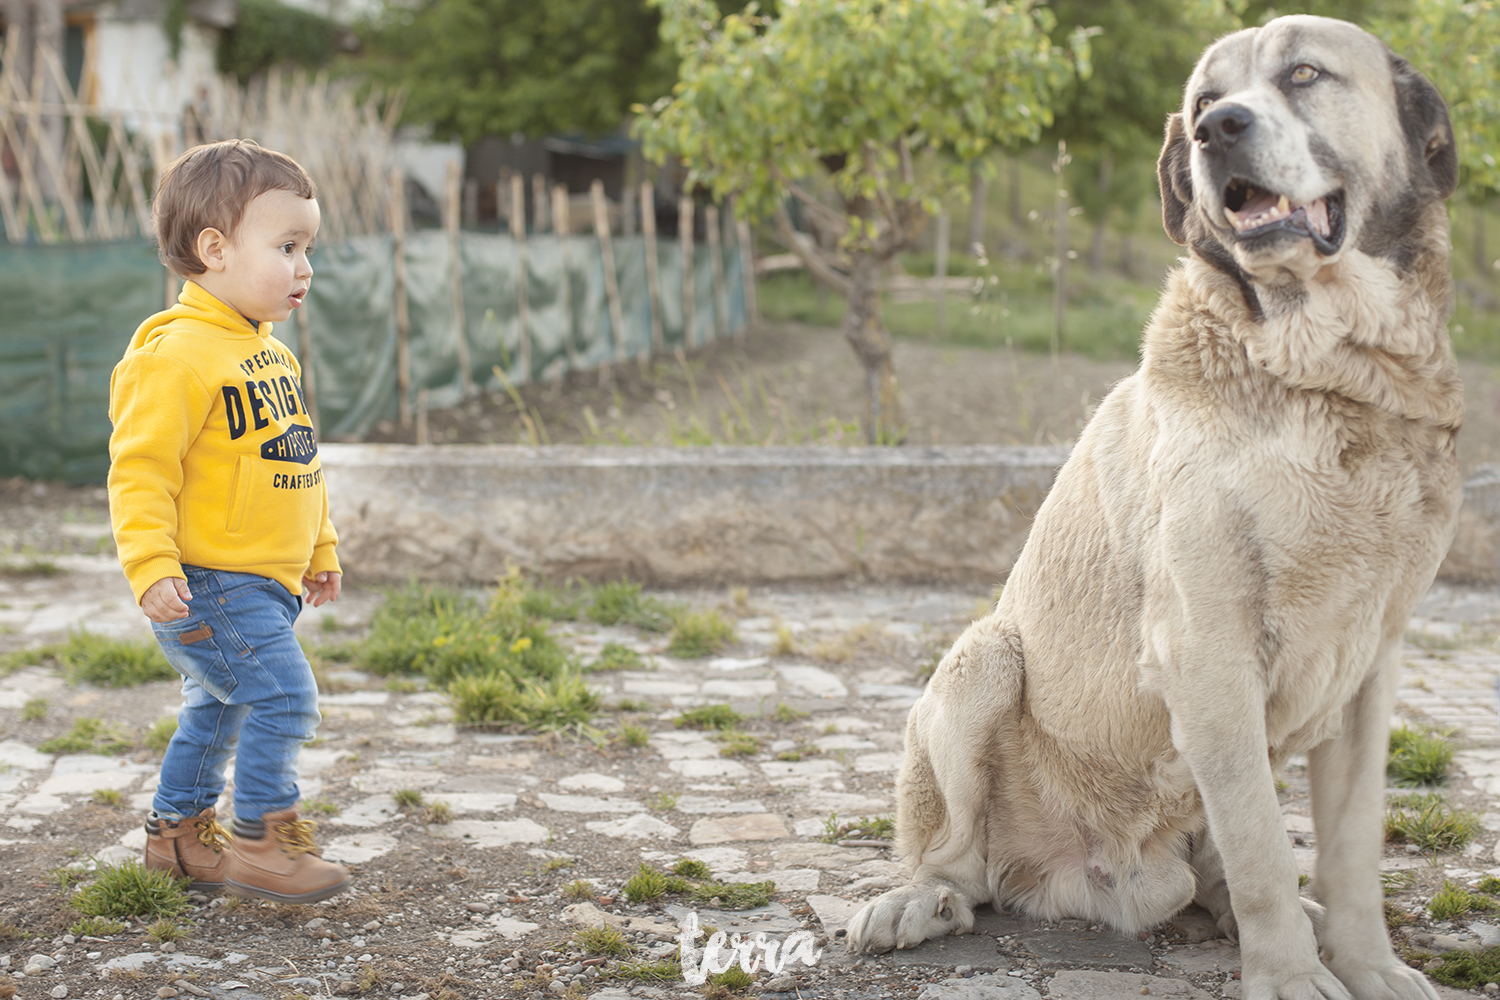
x=472, y=907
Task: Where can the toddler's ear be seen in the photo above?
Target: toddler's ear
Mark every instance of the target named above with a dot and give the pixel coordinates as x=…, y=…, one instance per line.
x=210, y=246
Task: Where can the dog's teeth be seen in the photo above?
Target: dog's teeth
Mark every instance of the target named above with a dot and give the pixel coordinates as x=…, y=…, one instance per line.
x=1284, y=206
x=1234, y=220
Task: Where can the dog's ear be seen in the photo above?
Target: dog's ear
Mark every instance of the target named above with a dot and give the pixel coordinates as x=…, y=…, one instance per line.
x=1175, y=174
x=1424, y=119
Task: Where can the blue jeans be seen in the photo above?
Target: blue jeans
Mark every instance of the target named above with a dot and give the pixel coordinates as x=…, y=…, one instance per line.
x=245, y=681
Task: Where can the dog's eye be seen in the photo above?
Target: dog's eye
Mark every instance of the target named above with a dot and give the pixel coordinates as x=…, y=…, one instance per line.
x=1304, y=74
x=1203, y=103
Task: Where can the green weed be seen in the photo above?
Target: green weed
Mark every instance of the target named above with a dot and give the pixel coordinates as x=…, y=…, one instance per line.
x=708, y=717
x=622, y=603
x=603, y=941
x=407, y=798
x=786, y=713
x=616, y=656
x=700, y=633
x=1490, y=884
x=785, y=643
x=1429, y=822
x=632, y=705
x=96, y=927
x=31, y=566
x=558, y=864
x=663, y=802
x=88, y=657
x=1392, y=883
x=662, y=971
x=738, y=743
x=579, y=889
x=160, y=734
x=1419, y=757
x=1468, y=970
x=789, y=755
x=501, y=698
x=868, y=828
x=692, y=868
x=1452, y=900
x=634, y=736
x=132, y=890
x=438, y=813
x=34, y=710
x=648, y=884
x=558, y=604
x=167, y=930
x=733, y=980
x=320, y=807
x=90, y=735
x=112, y=797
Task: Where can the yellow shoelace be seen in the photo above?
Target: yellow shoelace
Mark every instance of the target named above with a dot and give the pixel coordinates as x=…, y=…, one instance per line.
x=296, y=837
x=213, y=836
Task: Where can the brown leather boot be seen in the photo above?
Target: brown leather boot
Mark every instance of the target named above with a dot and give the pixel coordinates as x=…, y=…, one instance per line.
x=283, y=866
x=192, y=847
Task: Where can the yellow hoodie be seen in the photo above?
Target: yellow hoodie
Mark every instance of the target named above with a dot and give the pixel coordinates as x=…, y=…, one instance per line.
x=212, y=459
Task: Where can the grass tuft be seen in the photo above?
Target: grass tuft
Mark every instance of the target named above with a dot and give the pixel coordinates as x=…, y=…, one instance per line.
x=88, y=657
x=1419, y=757
x=708, y=717
x=662, y=971
x=166, y=929
x=35, y=710
x=160, y=734
x=634, y=736
x=738, y=743
x=786, y=713
x=603, y=941
x=1469, y=970
x=1429, y=822
x=132, y=890
x=617, y=656
x=111, y=797
x=622, y=603
x=700, y=633
x=1393, y=882
x=90, y=735
x=96, y=927
x=579, y=889
x=648, y=883
x=1453, y=900
x=692, y=868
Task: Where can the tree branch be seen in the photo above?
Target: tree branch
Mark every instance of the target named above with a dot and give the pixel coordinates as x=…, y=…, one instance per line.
x=836, y=222
x=819, y=267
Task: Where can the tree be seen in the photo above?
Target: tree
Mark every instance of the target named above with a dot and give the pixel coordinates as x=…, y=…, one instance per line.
x=846, y=96
x=473, y=68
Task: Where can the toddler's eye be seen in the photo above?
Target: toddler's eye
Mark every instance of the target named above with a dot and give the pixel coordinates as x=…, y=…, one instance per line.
x=287, y=247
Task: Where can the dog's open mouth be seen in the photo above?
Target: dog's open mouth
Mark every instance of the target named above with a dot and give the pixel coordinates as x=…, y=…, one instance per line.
x=1255, y=211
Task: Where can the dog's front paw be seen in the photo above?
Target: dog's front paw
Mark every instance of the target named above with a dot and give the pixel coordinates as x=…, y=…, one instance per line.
x=905, y=917
x=1319, y=984
x=1392, y=981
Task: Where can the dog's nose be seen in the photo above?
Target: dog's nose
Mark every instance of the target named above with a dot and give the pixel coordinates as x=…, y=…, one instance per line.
x=1222, y=127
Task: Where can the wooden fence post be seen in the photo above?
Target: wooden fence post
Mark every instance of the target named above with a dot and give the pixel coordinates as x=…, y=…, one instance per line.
x=653, y=267
x=562, y=225
x=607, y=255
x=518, y=232
x=451, y=212
x=403, y=320
x=685, y=238
x=716, y=260
x=940, y=271
x=538, y=204
x=747, y=271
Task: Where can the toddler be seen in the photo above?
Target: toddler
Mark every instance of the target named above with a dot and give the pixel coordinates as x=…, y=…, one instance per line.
x=221, y=518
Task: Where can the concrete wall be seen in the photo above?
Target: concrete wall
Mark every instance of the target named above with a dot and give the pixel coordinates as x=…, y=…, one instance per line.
x=673, y=516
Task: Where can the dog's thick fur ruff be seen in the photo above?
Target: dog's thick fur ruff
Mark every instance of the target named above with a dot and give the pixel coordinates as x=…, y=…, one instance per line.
x=1222, y=573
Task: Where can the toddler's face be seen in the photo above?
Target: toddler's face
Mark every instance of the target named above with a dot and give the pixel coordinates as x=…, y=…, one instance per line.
x=267, y=273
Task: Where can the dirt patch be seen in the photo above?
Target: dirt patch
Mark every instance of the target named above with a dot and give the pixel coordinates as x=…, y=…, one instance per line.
x=788, y=383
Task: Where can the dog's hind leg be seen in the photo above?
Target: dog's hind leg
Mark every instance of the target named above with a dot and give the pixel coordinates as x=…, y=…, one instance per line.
x=945, y=792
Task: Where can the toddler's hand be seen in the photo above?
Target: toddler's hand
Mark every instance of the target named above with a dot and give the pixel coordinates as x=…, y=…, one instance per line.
x=322, y=588
x=164, y=600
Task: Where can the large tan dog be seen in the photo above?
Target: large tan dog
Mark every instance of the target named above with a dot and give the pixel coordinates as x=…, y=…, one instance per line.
x=1222, y=574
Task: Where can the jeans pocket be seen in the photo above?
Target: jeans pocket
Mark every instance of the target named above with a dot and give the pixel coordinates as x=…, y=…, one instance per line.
x=191, y=646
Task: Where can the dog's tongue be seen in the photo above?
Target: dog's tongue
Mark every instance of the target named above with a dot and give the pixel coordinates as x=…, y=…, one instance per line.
x=1263, y=201
x=1317, y=217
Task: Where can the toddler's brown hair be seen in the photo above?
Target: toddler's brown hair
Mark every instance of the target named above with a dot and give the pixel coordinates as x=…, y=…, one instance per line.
x=209, y=187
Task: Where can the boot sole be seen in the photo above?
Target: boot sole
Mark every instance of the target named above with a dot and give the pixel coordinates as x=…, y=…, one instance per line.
x=245, y=891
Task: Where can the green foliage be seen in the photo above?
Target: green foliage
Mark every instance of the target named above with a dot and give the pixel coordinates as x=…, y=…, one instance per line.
x=111, y=797
x=786, y=713
x=1469, y=970
x=474, y=68
x=859, y=84
x=269, y=33
x=1457, y=45
x=648, y=883
x=700, y=633
x=407, y=798
x=733, y=979
x=1453, y=900
x=622, y=603
x=578, y=889
x=167, y=929
x=734, y=895
x=1397, y=881
x=88, y=657
x=1429, y=822
x=323, y=807
x=90, y=735
x=132, y=890
x=662, y=971
x=634, y=736
x=160, y=734
x=1419, y=757
x=708, y=717
x=1489, y=884
x=34, y=710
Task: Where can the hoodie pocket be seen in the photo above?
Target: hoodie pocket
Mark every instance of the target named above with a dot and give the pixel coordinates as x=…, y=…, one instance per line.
x=239, y=494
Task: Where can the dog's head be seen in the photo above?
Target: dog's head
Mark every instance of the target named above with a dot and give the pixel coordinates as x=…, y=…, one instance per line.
x=1300, y=140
